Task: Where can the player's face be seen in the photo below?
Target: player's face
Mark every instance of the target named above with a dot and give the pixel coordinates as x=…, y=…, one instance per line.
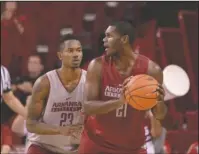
x=112, y=41
x=71, y=55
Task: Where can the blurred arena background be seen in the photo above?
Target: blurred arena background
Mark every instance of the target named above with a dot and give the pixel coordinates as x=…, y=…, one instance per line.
x=167, y=32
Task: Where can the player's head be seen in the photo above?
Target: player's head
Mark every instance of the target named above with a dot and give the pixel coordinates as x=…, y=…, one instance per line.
x=117, y=36
x=70, y=51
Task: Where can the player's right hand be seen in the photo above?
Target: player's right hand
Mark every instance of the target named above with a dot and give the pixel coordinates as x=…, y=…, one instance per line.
x=70, y=129
x=124, y=87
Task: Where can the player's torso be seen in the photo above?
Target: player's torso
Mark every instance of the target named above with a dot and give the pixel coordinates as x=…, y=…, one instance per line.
x=62, y=108
x=125, y=125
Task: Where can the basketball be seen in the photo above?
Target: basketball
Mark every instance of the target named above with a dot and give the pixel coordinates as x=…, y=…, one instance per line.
x=141, y=92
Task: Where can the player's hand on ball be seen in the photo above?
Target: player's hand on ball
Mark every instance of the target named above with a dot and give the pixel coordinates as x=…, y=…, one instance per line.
x=160, y=109
x=161, y=93
x=124, y=87
x=126, y=81
x=68, y=130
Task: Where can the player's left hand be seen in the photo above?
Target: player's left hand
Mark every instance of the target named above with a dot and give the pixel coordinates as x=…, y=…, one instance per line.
x=68, y=130
x=76, y=136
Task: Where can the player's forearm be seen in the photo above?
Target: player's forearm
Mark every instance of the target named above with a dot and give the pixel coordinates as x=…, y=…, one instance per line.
x=101, y=107
x=159, y=111
x=18, y=125
x=156, y=127
x=16, y=106
x=41, y=128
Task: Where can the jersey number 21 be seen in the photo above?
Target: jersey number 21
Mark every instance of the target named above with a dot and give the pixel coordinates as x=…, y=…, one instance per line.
x=122, y=111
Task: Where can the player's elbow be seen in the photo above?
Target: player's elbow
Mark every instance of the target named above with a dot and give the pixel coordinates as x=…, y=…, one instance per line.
x=18, y=126
x=14, y=129
x=17, y=131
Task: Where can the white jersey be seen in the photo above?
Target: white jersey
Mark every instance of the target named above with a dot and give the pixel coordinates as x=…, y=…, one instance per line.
x=62, y=108
x=5, y=80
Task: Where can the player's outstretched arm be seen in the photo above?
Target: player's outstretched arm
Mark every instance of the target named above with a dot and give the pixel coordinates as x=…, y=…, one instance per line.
x=92, y=105
x=160, y=110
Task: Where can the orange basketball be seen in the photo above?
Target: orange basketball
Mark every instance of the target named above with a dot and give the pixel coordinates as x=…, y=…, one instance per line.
x=141, y=92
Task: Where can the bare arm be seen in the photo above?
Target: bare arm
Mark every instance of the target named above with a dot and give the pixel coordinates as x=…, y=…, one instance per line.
x=14, y=103
x=92, y=105
x=160, y=109
x=18, y=125
x=8, y=95
x=36, y=106
x=156, y=127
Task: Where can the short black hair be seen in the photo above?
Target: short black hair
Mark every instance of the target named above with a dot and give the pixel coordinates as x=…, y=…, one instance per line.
x=66, y=38
x=124, y=28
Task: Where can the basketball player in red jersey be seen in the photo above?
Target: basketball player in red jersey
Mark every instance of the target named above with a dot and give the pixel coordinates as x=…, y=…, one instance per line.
x=54, y=110
x=112, y=126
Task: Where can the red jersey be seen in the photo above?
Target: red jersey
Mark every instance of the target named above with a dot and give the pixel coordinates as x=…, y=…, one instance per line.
x=121, y=130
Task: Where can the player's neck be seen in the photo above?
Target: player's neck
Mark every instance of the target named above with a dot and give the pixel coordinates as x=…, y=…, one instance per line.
x=69, y=74
x=125, y=56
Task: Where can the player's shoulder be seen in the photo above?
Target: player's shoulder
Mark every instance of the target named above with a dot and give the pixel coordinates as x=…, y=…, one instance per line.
x=97, y=61
x=151, y=64
x=49, y=74
x=142, y=57
x=95, y=64
x=155, y=70
x=42, y=81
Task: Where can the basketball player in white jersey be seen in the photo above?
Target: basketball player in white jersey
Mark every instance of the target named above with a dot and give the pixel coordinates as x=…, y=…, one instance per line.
x=54, y=112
